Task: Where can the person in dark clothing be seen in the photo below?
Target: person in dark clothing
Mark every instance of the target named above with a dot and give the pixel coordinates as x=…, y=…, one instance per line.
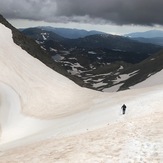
x=123, y=108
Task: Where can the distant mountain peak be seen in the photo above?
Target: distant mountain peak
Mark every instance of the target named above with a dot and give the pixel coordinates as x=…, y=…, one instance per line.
x=71, y=33
x=146, y=34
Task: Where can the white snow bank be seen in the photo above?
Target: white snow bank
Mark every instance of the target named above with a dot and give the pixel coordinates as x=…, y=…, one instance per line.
x=31, y=88
x=43, y=92
x=105, y=109
x=134, y=137
x=14, y=124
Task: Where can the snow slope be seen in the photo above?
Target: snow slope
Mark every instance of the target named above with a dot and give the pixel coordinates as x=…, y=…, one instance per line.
x=31, y=88
x=45, y=117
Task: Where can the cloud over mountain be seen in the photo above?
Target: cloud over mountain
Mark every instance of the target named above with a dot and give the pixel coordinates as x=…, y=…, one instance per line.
x=115, y=11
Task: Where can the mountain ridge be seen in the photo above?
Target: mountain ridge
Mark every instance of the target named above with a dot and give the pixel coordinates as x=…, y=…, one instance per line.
x=152, y=36
x=146, y=34
x=71, y=33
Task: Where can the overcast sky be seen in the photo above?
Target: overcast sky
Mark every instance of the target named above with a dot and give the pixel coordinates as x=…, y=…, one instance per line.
x=115, y=16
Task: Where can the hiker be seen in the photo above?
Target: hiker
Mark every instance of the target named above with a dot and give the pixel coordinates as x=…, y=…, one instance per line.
x=123, y=108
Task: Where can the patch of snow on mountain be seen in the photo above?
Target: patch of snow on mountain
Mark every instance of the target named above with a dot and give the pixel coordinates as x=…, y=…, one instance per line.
x=114, y=88
x=121, y=68
x=57, y=57
x=64, y=52
x=44, y=36
x=133, y=73
x=75, y=68
x=43, y=48
x=122, y=78
x=52, y=49
x=96, y=85
x=91, y=52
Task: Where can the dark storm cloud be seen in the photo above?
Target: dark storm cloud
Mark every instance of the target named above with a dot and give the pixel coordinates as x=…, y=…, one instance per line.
x=145, y=12
x=28, y=9
x=142, y=12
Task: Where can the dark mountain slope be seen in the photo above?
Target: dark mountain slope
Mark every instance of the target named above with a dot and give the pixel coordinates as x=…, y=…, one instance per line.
x=143, y=70
x=113, y=42
x=40, y=34
x=154, y=40
x=102, y=61
x=109, y=48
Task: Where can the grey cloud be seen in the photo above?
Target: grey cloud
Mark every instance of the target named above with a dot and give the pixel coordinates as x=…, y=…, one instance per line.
x=144, y=12
x=140, y=12
x=28, y=9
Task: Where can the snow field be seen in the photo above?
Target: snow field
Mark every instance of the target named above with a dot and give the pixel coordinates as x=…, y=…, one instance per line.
x=135, y=141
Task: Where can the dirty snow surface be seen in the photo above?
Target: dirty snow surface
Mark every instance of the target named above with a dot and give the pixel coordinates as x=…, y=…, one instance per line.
x=45, y=117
